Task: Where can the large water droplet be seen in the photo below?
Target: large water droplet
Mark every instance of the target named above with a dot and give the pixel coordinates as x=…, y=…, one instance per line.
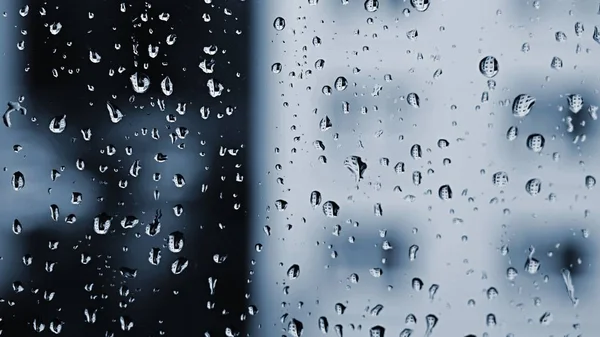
x=279, y=23
x=140, y=82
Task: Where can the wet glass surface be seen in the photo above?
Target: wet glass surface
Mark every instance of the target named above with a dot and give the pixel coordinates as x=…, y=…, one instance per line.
x=297, y=168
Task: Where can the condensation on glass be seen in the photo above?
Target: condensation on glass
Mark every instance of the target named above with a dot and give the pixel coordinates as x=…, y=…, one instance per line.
x=425, y=168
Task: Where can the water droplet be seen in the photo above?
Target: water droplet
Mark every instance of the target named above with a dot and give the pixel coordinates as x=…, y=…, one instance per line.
x=488, y=66
x=276, y=68
x=512, y=133
x=58, y=124
x=295, y=328
x=279, y=23
x=17, y=227
x=433, y=289
x=95, y=57
x=590, y=182
x=179, y=265
x=293, y=272
x=490, y=320
x=575, y=102
x=55, y=28
x=377, y=331
x=522, y=105
x=323, y=324
x=24, y=11
x=533, y=186
x=178, y=180
x=140, y=82
x=556, y=63
x=167, y=86
x=536, y=142
x=430, y=323
x=406, y=332
x=315, y=199
x=412, y=34
x=339, y=330
x=511, y=273
x=341, y=83
x=566, y=275
x=376, y=310
x=331, y=209
x=579, y=29
x=114, y=113
x=417, y=284
x=376, y=272
x=171, y=38
x=420, y=5
x=371, y=5
x=596, y=35
x=413, y=100
x=356, y=166
x=339, y=308
x=546, y=318
x=445, y=192
x=176, y=242
x=18, y=181
x=412, y=252
x=492, y=293
x=560, y=36
x=416, y=152
x=281, y=205
x=500, y=178
x=325, y=124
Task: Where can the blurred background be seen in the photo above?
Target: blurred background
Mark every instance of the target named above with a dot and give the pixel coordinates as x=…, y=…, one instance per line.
x=149, y=182
x=450, y=167
x=349, y=167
